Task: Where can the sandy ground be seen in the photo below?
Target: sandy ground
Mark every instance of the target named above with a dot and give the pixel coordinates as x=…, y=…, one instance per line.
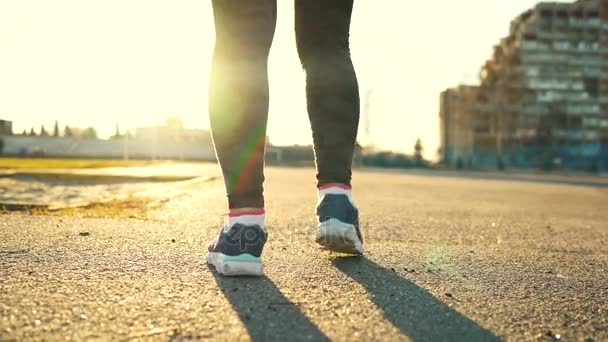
x=58, y=194
x=446, y=259
x=60, y=188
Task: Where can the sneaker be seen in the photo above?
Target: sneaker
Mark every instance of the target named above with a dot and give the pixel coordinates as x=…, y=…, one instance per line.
x=237, y=249
x=338, y=220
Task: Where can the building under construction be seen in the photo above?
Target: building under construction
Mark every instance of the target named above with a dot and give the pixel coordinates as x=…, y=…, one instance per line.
x=543, y=97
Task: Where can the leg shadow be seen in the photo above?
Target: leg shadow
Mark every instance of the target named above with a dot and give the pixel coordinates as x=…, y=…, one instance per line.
x=410, y=308
x=266, y=313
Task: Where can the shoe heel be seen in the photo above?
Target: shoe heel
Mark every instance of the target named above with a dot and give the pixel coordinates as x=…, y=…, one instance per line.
x=338, y=236
x=240, y=265
x=237, y=268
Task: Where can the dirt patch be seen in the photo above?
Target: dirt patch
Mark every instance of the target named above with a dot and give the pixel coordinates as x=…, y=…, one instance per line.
x=58, y=163
x=134, y=208
x=24, y=193
x=124, y=192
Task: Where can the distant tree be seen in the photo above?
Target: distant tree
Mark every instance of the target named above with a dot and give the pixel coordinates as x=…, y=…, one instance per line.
x=500, y=163
x=24, y=132
x=32, y=132
x=67, y=132
x=387, y=159
x=89, y=133
x=43, y=132
x=116, y=133
x=56, y=129
x=418, y=152
x=1, y=145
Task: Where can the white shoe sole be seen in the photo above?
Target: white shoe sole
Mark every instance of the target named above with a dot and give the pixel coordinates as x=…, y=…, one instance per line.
x=338, y=236
x=240, y=265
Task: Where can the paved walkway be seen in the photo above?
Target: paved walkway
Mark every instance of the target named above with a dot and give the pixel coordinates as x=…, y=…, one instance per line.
x=447, y=259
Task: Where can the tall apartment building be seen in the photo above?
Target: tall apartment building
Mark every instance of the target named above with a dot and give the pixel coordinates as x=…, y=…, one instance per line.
x=543, y=98
x=457, y=110
x=6, y=127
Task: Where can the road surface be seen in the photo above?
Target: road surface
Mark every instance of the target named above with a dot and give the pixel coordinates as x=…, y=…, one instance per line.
x=447, y=258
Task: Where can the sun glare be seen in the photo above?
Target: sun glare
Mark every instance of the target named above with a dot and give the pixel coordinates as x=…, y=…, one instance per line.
x=137, y=62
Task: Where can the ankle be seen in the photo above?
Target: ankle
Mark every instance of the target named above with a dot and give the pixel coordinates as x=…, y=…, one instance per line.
x=335, y=186
x=247, y=216
x=246, y=211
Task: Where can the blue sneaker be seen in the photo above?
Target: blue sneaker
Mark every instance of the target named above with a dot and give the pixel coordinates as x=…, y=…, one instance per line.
x=237, y=249
x=338, y=220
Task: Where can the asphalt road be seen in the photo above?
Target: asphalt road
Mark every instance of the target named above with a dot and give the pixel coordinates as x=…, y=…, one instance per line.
x=446, y=259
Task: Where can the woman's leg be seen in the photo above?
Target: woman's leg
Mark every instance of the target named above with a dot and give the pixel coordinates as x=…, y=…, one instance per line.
x=238, y=95
x=322, y=34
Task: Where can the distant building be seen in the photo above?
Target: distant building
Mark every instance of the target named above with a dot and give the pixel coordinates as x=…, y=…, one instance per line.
x=543, y=98
x=6, y=127
x=457, y=111
x=174, y=131
x=166, y=142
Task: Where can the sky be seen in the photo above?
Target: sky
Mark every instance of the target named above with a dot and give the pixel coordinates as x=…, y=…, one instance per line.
x=133, y=63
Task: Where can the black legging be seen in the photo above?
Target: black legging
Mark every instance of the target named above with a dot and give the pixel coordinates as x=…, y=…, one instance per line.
x=238, y=91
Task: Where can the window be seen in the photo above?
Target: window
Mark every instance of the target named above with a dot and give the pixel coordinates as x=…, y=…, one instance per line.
x=592, y=86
